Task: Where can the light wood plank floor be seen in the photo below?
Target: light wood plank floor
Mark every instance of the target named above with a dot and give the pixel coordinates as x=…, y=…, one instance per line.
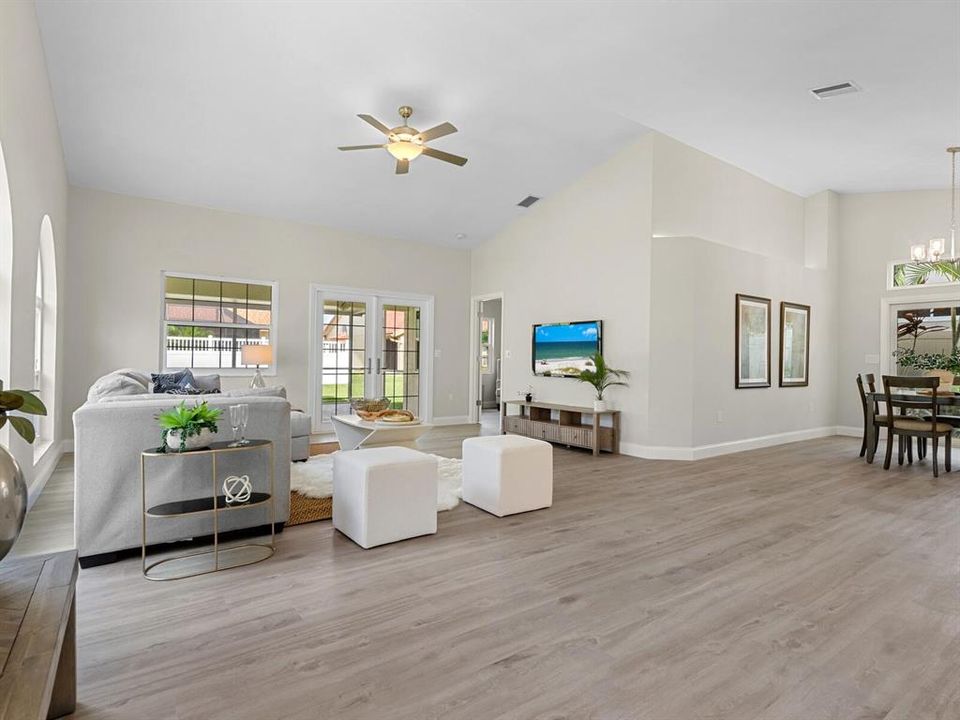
x=794, y=582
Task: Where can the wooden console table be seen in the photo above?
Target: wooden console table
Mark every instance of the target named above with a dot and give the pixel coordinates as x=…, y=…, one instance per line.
x=563, y=424
x=38, y=639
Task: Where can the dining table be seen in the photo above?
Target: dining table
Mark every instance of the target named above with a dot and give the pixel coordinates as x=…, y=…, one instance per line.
x=944, y=400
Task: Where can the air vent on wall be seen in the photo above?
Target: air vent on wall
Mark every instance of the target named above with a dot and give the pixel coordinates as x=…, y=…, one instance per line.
x=528, y=201
x=829, y=91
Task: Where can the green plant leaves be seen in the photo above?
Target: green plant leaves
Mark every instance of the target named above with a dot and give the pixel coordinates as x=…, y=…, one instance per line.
x=24, y=428
x=10, y=401
x=31, y=405
x=603, y=377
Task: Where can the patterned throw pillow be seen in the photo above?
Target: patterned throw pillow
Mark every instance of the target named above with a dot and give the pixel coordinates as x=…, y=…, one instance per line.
x=167, y=382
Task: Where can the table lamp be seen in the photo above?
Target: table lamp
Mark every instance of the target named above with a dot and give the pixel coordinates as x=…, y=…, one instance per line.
x=256, y=355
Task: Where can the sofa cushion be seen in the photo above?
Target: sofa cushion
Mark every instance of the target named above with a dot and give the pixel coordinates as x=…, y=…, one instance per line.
x=115, y=384
x=299, y=424
x=274, y=391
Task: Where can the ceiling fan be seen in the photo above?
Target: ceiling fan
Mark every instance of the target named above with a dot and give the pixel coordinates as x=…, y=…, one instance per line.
x=407, y=143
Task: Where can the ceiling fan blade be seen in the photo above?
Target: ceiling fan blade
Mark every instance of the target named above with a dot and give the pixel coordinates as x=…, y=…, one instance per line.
x=437, y=132
x=402, y=167
x=445, y=156
x=376, y=123
x=359, y=147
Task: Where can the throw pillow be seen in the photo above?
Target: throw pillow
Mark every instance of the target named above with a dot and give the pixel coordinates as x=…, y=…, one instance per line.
x=165, y=382
x=207, y=383
x=114, y=384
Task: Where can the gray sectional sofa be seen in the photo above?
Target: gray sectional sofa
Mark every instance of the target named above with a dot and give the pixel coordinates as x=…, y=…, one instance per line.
x=110, y=431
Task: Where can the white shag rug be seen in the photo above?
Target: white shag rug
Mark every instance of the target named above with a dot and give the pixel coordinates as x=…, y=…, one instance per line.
x=314, y=478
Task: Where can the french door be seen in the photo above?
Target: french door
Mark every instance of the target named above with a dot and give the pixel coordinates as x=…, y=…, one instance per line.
x=368, y=345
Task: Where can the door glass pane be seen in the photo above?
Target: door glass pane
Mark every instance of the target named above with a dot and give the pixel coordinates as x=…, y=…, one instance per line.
x=343, y=356
x=400, y=356
x=928, y=339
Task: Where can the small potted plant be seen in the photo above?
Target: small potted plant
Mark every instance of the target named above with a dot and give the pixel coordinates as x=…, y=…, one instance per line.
x=527, y=394
x=602, y=377
x=186, y=428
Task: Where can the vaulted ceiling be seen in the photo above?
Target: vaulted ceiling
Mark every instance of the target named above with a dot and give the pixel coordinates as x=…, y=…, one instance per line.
x=241, y=105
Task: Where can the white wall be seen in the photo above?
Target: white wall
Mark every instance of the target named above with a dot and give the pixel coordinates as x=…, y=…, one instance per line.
x=697, y=195
x=876, y=228
x=581, y=254
x=38, y=187
x=699, y=368
x=657, y=242
x=720, y=231
x=122, y=244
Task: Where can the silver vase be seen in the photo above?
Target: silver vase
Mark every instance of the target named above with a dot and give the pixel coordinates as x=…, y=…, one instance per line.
x=13, y=501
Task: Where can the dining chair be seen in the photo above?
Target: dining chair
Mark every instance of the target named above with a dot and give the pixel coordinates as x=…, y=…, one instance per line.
x=928, y=427
x=878, y=419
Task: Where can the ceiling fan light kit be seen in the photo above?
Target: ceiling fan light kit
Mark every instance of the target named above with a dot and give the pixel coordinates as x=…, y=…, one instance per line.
x=406, y=143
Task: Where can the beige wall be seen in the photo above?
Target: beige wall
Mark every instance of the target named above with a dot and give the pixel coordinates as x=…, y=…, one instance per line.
x=582, y=254
x=122, y=244
x=697, y=195
x=664, y=218
x=877, y=228
x=38, y=186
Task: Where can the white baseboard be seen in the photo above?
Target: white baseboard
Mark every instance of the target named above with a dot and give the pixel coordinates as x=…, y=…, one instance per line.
x=701, y=452
x=851, y=430
x=452, y=420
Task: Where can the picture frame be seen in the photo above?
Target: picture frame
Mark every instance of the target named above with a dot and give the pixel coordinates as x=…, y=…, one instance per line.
x=794, y=344
x=752, y=337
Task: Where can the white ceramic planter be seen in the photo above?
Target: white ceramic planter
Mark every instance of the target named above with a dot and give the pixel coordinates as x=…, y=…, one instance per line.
x=599, y=405
x=192, y=443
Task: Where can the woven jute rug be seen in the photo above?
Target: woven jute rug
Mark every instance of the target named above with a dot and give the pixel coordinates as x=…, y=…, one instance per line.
x=305, y=509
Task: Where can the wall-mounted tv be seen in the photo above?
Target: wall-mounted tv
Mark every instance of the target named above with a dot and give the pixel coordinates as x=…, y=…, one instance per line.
x=564, y=349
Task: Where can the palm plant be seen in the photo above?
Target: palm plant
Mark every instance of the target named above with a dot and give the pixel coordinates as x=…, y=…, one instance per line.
x=24, y=402
x=602, y=377
x=917, y=273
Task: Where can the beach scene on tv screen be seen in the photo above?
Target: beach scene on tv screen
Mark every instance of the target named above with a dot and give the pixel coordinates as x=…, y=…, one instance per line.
x=564, y=350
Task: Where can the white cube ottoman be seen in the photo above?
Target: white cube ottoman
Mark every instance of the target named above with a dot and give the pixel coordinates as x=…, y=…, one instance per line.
x=507, y=474
x=385, y=494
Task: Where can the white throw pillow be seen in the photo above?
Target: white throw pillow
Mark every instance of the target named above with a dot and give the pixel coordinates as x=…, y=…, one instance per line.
x=114, y=384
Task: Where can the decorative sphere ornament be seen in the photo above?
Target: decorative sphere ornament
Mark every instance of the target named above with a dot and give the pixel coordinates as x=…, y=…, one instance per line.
x=237, y=489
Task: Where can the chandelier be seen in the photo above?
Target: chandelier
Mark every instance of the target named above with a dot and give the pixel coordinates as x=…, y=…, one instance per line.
x=937, y=247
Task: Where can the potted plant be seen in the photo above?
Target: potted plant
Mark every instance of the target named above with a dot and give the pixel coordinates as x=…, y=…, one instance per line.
x=186, y=428
x=602, y=377
x=13, y=487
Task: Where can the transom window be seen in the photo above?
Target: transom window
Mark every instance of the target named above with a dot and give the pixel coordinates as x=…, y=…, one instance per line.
x=208, y=320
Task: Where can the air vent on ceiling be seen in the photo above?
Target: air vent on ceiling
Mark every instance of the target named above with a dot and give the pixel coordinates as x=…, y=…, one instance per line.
x=528, y=201
x=829, y=91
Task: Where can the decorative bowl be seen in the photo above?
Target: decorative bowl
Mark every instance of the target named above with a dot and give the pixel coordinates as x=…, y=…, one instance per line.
x=370, y=404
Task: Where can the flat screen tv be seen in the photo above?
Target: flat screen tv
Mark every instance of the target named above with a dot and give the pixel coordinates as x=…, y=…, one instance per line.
x=564, y=349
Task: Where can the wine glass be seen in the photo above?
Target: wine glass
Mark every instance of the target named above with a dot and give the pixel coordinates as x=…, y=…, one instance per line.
x=235, y=424
x=244, y=416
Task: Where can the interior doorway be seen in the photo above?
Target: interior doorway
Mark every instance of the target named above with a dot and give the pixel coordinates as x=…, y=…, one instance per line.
x=487, y=367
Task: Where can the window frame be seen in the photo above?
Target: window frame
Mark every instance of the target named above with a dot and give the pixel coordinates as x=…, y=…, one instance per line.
x=269, y=371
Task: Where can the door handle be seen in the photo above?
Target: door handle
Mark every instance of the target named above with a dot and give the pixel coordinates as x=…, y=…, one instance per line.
x=378, y=366
x=369, y=361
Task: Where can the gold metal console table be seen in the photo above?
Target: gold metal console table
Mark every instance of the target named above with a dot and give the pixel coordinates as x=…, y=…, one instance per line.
x=208, y=561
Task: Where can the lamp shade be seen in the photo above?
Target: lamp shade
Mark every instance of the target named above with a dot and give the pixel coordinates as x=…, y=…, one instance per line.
x=256, y=354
